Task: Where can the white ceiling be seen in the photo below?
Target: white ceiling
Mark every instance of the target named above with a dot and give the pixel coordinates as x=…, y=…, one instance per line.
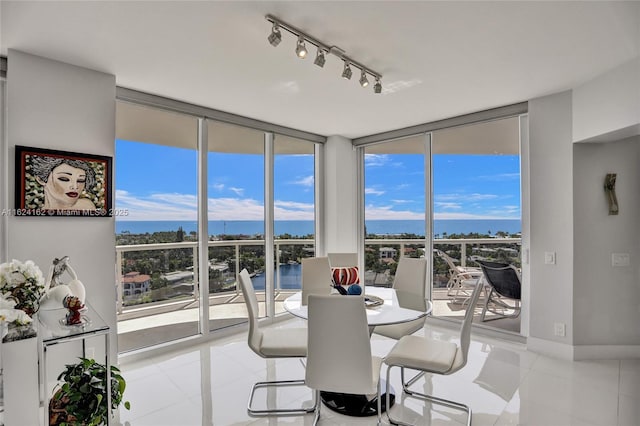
x=438, y=59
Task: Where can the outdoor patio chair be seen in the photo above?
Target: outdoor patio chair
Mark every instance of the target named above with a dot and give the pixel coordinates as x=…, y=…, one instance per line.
x=504, y=282
x=462, y=279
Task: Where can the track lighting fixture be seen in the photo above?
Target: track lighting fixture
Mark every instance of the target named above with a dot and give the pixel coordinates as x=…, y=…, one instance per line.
x=377, y=88
x=275, y=37
x=346, y=73
x=363, y=79
x=301, y=51
x=320, y=60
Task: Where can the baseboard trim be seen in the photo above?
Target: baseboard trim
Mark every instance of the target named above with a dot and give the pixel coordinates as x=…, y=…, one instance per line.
x=582, y=352
x=550, y=348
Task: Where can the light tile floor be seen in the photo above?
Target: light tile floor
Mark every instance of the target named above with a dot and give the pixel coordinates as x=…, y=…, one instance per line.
x=503, y=383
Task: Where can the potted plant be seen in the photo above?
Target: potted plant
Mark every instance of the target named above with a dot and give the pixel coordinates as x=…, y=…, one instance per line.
x=81, y=398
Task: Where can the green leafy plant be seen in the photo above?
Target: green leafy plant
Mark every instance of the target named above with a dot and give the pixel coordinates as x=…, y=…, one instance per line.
x=81, y=399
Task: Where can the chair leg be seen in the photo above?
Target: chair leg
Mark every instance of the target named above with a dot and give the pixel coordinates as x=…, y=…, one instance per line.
x=405, y=385
x=418, y=395
x=277, y=411
x=316, y=407
x=515, y=308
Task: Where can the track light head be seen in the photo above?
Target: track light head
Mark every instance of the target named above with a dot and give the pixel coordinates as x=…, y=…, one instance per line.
x=347, y=73
x=377, y=88
x=275, y=37
x=320, y=60
x=363, y=79
x=301, y=49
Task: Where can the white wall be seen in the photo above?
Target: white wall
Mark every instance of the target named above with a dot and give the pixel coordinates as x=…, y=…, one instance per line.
x=341, y=196
x=606, y=298
x=59, y=106
x=608, y=107
x=551, y=222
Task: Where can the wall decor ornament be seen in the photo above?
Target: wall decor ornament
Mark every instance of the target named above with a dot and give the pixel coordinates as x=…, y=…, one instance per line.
x=610, y=191
x=60, y=183
x=56, y=291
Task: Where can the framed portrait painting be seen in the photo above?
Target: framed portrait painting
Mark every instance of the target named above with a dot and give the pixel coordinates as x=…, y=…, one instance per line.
x=60, y=183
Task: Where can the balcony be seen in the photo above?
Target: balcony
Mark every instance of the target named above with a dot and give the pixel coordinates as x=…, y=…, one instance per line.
x=169, y=308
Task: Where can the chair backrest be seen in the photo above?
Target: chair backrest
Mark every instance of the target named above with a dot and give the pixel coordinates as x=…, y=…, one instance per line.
x=503, y=277
x=411, y=277
x=465, y=330
x=444, y=256
x=343, y=259
x=316, y=277
x=339, y=349
x=255, y=335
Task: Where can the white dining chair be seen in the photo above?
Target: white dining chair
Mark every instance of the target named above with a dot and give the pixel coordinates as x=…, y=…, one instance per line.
x=410, y=281
x=272, y=343
x=433, y=356
x=316, y=277
x=339, y=358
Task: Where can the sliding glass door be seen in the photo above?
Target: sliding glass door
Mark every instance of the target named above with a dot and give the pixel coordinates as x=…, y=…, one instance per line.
x=476, y=210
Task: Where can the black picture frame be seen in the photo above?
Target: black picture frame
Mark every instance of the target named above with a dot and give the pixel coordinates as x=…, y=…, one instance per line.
x=48, y=181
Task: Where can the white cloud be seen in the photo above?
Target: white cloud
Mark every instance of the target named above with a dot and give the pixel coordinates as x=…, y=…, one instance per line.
x=174, y=206
x=305, y=181
x=500, y=177
x=402, y=201
x=373, y=191
x=387, y=213
x=238, y=191
x=447, y=205
x=218, y=186
x=376, y=160
x=465, y=197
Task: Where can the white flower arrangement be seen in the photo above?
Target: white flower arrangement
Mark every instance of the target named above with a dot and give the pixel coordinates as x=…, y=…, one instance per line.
x=22, y=282
x=11, y=315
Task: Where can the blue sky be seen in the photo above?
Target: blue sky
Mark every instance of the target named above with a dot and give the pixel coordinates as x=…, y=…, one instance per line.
x=156, y=182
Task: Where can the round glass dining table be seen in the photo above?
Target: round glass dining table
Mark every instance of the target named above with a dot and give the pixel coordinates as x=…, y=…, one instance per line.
x=384, y=307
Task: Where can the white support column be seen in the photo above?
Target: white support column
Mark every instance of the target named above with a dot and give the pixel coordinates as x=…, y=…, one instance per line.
x=268, y=224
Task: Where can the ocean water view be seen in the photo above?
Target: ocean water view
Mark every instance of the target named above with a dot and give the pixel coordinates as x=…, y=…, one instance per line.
x=299, y=228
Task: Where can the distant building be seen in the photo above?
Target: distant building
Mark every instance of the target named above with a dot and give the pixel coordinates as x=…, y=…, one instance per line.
x=387, y=252
x=135, y=283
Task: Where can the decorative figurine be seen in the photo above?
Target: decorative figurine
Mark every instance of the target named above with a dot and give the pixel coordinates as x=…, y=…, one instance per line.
x=75, y=306
x=55, y=290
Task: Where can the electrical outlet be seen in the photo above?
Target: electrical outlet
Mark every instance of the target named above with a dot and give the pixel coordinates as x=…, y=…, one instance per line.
x=559, y=329
x=549, y=257
x=620, y=259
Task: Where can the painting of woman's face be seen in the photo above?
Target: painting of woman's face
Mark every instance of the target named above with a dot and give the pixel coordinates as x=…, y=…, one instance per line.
x=60, y=183
x=64, y=186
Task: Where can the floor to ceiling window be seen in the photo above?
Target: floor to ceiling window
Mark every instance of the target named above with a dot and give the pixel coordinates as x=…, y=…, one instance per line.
x=156, y=226
x=294, y=218
x=258, y=198
x=236, y=213
x=474, y=212
x=394, y=196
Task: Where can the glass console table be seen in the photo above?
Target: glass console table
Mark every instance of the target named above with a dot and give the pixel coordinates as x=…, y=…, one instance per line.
x=53, y=331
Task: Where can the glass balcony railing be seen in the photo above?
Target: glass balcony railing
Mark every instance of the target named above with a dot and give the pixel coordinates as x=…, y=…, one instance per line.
x=158, y=285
